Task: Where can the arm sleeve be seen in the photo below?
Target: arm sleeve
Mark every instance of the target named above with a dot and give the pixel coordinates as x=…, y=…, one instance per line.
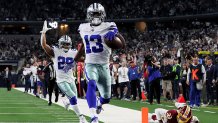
x=188, y=74
x=204, y=72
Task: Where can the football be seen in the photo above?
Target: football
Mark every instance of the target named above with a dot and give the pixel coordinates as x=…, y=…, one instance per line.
x=115, y=44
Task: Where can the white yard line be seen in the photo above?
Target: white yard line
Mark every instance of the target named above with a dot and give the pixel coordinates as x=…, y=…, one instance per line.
x=169, y=106
x=40, y=122
x=210, y=112
x=1, y=113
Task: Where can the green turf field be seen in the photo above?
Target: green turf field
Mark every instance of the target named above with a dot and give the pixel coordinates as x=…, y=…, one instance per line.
x=16, y=106
x=205, y=114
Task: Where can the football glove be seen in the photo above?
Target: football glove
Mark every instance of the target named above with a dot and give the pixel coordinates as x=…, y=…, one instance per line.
x=111, y=35
x=45, y=27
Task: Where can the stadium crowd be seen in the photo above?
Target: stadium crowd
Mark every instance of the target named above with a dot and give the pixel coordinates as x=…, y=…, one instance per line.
x=62, y=9
x=172, y=45
x=134, y=72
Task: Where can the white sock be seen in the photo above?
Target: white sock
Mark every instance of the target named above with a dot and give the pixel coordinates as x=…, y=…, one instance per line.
x=93, y=112
x=76, y=110
x=99, y=102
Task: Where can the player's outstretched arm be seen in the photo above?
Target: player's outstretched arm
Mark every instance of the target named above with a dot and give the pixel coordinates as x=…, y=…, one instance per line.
x=49, y=51
x=80, y=53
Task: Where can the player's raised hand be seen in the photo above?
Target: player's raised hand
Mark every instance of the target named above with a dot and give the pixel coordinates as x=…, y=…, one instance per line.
x=45, y=27
x=111, y=35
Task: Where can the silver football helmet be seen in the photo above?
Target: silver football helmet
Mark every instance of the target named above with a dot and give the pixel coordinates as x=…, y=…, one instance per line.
x=65, y=43
x=96, y=14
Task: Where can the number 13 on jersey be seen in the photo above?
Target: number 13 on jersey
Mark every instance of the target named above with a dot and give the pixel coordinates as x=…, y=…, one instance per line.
x=98, y=44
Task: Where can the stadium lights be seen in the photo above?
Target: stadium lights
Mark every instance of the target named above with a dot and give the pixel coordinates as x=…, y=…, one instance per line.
x=65, y=25
x=62, y=26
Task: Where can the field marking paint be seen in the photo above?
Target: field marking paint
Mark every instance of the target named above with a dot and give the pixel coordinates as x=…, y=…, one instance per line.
x=14, y=103
x=168, y=106
x=210, y=112
x=40, y=122
x=2, y=113
x=22, y=113
x=67, y=118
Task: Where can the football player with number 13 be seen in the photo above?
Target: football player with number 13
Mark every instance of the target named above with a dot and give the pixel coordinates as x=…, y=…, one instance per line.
x=99, y=38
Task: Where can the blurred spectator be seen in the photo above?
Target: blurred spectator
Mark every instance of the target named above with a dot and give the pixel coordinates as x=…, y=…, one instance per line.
x=196, y=77
x=176, y=78
x=123, y=80
x=210, y=80
x=62, y=9
x=27, y=73
x=185, y=87
x=40, y=84
x=216, y=77
x=52, y=85
x=134, y=77
x=154, y=76
x=166, y=70
x=7, y=77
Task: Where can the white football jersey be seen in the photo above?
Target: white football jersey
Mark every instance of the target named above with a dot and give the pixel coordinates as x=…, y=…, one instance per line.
x=97, y=52
x=27, y=71
x=60, y=60
x=34, y=76
x=123, y=74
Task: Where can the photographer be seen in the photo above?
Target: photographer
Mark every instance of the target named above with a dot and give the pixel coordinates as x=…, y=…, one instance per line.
x=154, y=76
x=166, y=71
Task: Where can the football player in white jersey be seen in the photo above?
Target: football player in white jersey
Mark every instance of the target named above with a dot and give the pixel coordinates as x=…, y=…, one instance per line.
x=97, y=55
x=63, y=59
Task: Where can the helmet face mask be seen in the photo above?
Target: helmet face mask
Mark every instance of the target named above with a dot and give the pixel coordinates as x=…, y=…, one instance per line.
x=65, y=43
x=96, y=14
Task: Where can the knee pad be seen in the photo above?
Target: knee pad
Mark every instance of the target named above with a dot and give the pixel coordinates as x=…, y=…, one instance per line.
x=104, y=101
x=73, y=100
x=92, y=84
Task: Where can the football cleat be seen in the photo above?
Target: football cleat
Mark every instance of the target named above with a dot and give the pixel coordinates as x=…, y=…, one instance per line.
x=82, y=119
x=66, y=105
x=94, y=120
x=99, y=106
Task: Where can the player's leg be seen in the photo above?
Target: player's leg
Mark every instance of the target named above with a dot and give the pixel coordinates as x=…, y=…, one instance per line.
x=192, y=94
x=104, y=86
x=56, y=90
x=39, y=85
x=121, y=85
x=50, y=90
x=91, y=76
x=69, y=89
